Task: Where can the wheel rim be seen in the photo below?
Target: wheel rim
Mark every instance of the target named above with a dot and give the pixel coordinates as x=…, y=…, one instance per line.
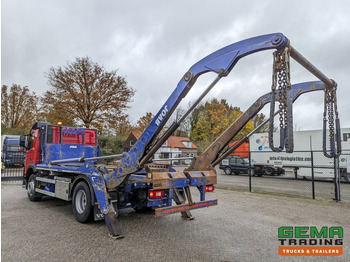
x=31, y=187
x=80, y=201
x=227, y=171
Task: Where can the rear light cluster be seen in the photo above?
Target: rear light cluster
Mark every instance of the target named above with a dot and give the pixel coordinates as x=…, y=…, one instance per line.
x=156, y=194
x=209, y=188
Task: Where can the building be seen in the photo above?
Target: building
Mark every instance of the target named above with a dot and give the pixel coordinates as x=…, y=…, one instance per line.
x=130, y=141
x=174, y=147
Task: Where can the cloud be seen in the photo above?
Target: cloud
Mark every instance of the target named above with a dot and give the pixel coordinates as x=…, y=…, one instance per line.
x=153, y=43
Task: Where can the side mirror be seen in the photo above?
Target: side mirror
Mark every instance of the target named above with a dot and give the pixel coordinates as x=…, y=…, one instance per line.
x=23, y=141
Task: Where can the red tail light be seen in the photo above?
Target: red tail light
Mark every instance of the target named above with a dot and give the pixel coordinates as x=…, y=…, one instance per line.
x=156, y=194
x=209, y=188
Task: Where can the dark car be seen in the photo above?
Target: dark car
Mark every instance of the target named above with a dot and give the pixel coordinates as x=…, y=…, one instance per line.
x=237, y=165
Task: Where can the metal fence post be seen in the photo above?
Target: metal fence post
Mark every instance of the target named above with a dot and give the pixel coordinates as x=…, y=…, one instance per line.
x=312, y=174
x=250, y=172
x=312, y=170
x=336, y=179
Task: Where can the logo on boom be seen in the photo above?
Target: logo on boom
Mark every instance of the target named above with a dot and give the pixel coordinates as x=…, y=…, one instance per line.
x=162, y=115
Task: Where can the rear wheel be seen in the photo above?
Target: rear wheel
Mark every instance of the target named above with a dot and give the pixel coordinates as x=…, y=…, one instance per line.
x=32, y=195
x=251, y=171
x=82, y=208
x=346, y=176
x=268, y=171
x=228, y=170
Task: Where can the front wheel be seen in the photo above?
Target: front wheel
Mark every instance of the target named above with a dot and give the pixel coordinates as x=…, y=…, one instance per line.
x=227, y=170
x=32, y=195
x=82, y=208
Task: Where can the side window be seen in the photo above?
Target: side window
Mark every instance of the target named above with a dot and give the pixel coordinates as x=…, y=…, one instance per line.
x=33, y=134
x=90, y=137
x=30, y=141
x=232, y=161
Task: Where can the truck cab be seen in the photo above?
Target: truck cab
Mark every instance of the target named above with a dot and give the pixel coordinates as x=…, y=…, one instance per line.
x=46, y=143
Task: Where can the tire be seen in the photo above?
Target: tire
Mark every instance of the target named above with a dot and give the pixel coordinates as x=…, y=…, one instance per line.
x=228, y=170
x=32, y=195
x=269, y=171
x=346, y=177
x=251, y=171
x=82, y=208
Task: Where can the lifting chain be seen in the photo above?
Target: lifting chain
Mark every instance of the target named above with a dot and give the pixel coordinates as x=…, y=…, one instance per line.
x=331, y=111
x=281, y=77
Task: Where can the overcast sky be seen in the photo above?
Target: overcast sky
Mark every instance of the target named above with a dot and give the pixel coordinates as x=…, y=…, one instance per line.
x=153, y=43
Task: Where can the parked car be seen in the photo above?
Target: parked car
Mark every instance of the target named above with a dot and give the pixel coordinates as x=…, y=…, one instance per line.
x=237, y=165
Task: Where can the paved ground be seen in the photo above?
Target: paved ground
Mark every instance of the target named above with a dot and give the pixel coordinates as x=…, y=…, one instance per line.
x=243, y=227
x=283, y=185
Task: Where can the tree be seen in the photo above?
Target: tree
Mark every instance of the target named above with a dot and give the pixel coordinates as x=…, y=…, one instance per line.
x=184, y=129
x=19, y=107
x=144, y=121
x=211, y=119
x=84, y=92
x=257, y=120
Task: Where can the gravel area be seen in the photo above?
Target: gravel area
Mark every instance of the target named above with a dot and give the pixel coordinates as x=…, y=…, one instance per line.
x=243, y=227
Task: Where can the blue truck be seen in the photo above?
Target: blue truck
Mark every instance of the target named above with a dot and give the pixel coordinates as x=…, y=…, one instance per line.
x=64, y=162
x=12, y=153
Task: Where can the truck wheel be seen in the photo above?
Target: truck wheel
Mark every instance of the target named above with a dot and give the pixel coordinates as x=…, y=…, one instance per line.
x=228, y=170
x=346, y=177
x=268, y=171
x=32, y=195
x=82, y=208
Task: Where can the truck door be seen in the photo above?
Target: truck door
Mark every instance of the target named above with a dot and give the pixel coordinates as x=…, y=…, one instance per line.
x=33, y=149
